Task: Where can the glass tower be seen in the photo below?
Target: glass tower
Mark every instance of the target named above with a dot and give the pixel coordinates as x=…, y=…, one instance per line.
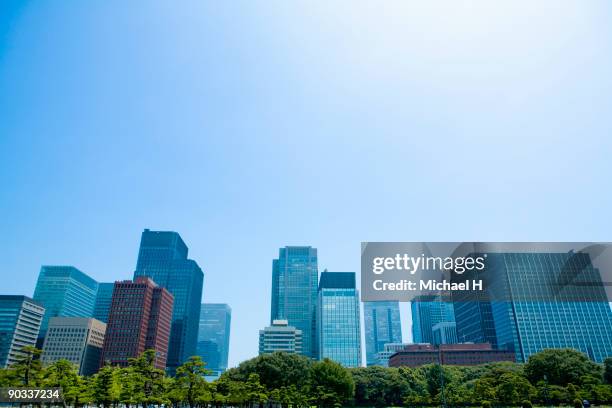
x=163, y=257
x=382, y=326
x=338, y=319
x=103, y=301
x=20, y=319
x=294, y=293
x=64, y=291
x=428, y=311
x=214, y=335
x=528, y=326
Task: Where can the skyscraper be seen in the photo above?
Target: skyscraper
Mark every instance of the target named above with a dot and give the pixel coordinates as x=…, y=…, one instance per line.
x=279, y=336
x=20, y=319
x=139, y=319
x=382, y=326
x=294, y=293
x=76, y=339
x=444, y=333
x=64, y=291
x=528, y=326
x=163, y=258
x=214, y=335
x=426, y=312
x=338, y=319
x=103, y=301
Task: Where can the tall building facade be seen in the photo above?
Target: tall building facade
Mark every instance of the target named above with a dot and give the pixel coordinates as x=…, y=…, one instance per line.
x=383, y=356
x=338, y=319
x=294, y=293
x=528, y=326
x=140, y=319
x=382, y=326
x=426, y=312
x=279, y=336
x=444, y=333
x=103, y=301
x=64, y=291
x=20, y=319
x=76, y=339
x=163, y=257
x=214, y=336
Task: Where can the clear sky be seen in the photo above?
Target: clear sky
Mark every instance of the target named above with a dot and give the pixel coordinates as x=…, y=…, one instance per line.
x=250, y=125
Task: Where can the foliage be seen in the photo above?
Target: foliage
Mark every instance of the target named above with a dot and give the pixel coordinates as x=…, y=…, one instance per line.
x=560, y=367
x=282, y=380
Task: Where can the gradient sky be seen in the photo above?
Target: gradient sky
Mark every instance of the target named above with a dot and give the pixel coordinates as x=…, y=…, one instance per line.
x=250, y=125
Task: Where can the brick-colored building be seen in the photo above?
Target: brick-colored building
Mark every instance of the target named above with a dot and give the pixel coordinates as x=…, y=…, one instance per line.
x=139, y=319
x=415, y=355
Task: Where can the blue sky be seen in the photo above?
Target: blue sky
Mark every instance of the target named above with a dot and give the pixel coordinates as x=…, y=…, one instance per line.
x=247, y=126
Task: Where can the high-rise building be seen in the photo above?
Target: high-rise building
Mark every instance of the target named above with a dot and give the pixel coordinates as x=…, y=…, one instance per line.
x=527, y=326
x=444, y=333
x=20, y=319
x=279, y=336
x=338, y=319
x=64, y=291
x=103, y=301
x=295, y=280
x=382, y=326
x=426, y=312
x=163, y=258
x=214, y=335
x=76, y=339
x=139, y=319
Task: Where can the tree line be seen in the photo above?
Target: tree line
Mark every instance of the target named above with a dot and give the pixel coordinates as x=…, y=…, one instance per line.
x=282, y=380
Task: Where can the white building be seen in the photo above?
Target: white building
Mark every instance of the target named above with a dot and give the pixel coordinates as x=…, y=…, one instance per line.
x=280, y=337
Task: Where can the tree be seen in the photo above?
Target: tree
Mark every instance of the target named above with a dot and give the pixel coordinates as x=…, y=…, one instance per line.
x=190, y=378
x=560, y=366
x=330, y=384
x=513, y=389
x=143, y=380
x=28, y=369
x=106, y=387
x=255, y=392
x=63, y=374
x=275, y=370
x=608, y=370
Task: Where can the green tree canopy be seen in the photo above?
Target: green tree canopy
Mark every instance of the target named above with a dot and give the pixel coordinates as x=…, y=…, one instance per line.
x=560, y=366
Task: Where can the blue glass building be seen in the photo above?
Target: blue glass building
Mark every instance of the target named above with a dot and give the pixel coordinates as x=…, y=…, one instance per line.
x=294, y=293
x=163, y=258
x=529, y=326
x=428, y=311
x=64, y=291
x=104, y=298
x=214, y=336
x=20, y=319
x=382, y=326
x=338, y=319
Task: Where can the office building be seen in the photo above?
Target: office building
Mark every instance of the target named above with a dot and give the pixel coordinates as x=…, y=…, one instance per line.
x=416, y=355
x=426, y=312
x=389, y=349
x=163, y=257
x=20, y=319
x=214, y=336
x=279, y=336
x=338, y=319
x=140, y=319
x=103, y=301
x=76, y=339
x=294, y=293
x=523, y=315
x=382, y=326
x=64, y=291
x=444, y=333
